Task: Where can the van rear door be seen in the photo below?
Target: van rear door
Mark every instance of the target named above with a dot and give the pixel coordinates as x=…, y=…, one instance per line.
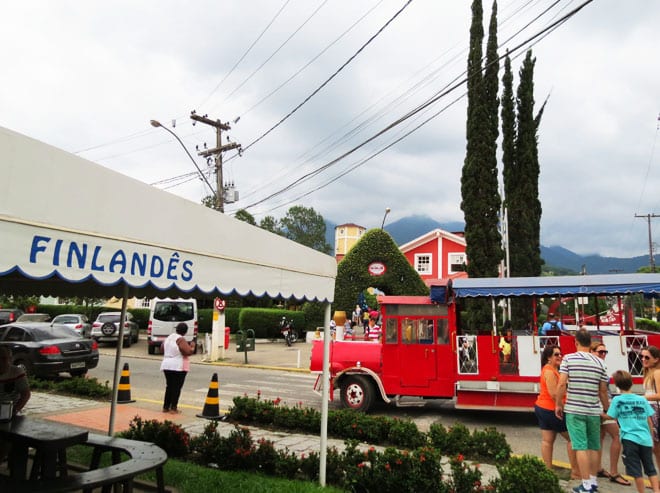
x=165, y=315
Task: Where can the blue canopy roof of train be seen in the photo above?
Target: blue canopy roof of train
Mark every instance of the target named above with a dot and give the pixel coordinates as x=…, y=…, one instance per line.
x=606, y=284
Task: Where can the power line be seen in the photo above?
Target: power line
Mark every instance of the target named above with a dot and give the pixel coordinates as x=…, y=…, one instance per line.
x=416, y=110
x=245, y=54
x=316, y=91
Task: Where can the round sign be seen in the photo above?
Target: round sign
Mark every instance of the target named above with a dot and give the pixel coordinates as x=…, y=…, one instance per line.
x=377, y=268
x=219, y=304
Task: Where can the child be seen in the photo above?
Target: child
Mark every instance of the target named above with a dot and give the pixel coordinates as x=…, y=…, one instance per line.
x=634, y=414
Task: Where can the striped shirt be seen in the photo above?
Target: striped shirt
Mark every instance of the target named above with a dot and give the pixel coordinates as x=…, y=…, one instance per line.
x=585, y=372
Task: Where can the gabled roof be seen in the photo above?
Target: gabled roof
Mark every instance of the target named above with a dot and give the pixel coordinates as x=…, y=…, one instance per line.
x=430, y=236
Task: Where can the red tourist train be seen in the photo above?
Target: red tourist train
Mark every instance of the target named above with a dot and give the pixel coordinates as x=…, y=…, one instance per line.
x=423, y=353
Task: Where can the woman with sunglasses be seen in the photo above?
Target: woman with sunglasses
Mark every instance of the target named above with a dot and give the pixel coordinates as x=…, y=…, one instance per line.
x=544, y=408
x=611, y=428
x=651, y=371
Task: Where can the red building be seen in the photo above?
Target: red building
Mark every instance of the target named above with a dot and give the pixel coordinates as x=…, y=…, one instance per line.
x=437, y=255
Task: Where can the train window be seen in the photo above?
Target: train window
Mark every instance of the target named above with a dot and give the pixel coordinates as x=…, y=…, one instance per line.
x=391, y=331
x=443, y=331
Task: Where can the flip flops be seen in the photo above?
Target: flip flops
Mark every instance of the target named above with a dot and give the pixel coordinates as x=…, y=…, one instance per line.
x=604, y=474
x=618, y=479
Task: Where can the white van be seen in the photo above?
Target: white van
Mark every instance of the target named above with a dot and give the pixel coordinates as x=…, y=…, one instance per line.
x=165, y=314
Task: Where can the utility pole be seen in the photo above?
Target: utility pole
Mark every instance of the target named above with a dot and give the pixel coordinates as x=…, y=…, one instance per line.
x=651, y=259
x=217, y=152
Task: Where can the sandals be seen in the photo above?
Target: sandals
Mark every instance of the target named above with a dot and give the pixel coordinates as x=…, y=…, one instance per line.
x=618, y=479
x=604, y=474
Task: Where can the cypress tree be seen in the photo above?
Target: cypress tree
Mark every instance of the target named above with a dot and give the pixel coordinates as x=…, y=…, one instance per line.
x=527, y=200
x=480, y=198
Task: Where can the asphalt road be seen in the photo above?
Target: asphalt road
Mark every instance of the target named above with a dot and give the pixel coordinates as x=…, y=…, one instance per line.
x=295, y=388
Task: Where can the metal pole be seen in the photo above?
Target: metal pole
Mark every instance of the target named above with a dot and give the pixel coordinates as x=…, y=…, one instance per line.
x=120, y=343
x=325, y=395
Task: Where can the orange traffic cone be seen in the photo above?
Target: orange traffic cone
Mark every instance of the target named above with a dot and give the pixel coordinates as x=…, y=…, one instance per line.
x=124, y=388
x=212, y=404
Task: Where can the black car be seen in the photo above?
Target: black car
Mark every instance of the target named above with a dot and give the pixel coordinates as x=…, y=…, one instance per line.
x=9, y=315
x=45, y=350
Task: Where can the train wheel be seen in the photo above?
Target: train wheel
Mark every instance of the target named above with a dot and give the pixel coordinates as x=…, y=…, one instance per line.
x=357, y=392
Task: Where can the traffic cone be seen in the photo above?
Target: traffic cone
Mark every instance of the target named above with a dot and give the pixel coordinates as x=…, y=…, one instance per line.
x=212, y=404
x=124, y=388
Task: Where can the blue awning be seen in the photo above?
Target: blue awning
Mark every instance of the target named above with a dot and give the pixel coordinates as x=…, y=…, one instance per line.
x=614, y=284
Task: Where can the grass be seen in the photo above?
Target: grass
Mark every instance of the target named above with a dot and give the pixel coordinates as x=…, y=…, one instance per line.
x=186, y=477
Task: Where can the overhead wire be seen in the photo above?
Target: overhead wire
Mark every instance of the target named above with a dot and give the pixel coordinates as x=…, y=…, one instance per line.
x=231, y=70
x=277, y=50
x=327, y=81
x=316, y=57
x=435, y=98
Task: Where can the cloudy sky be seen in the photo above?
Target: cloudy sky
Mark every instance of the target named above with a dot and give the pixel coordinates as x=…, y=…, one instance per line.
x=343, y=77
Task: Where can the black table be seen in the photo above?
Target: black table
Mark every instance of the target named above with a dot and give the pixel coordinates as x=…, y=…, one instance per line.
x=50, y=441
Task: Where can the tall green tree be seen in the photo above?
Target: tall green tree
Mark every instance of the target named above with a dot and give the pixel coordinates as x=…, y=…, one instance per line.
x=479, y=180
x=305, y=226
x=521, y=171
x=526, y=236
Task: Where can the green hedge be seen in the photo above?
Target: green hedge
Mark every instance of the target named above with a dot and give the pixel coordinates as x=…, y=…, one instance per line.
x=646, y=324
x=266, y=322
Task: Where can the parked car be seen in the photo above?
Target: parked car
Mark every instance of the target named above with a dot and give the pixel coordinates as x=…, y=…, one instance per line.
x=45, y=350
x=33, y=317
x=76, y=321
x=8, y=315
x=106, y=328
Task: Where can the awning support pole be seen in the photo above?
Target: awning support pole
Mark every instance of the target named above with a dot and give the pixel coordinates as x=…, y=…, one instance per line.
x=325, y=395
x=120, y=343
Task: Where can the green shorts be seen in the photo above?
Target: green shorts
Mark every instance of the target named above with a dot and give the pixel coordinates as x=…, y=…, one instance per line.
x=584, y=431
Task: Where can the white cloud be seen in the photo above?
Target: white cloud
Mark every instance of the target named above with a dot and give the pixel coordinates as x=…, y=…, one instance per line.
x=88, y=76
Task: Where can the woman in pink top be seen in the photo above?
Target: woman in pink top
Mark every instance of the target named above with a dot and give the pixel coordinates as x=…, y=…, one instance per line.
x=175, y=365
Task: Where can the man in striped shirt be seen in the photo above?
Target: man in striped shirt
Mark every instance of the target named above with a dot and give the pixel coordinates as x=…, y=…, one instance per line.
x=583, y=380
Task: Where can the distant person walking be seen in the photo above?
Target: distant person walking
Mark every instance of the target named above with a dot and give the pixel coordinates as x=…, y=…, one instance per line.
x=544, y=408
x=583, y=381
x=175, y=365
x=634, y=415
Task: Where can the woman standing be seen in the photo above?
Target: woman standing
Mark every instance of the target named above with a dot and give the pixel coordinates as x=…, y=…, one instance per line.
x=175, y=365
x=651, y=365
x=611, y=428
x=544, y=408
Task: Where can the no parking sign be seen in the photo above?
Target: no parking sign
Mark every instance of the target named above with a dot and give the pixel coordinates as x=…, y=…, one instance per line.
x=219, y=304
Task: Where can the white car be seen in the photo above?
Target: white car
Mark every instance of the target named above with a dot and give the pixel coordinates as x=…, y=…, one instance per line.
x=106, y=328
x=76, y=321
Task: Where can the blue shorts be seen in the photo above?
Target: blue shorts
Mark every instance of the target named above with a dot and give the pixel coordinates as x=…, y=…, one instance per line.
x=584, y=431
x=636, y=456
x=548, y=421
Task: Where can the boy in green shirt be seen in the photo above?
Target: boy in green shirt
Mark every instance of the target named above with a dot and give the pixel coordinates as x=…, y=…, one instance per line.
x=634, y=415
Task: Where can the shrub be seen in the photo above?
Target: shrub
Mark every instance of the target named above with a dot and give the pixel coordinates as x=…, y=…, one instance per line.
x=489, y=444
x=404, y=433
x=169, y=436
x=526, y=474
x=464, y=479
x=80, y=386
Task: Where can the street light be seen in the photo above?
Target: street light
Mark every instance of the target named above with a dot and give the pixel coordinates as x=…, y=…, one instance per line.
x=157, y=124
x=387, y=211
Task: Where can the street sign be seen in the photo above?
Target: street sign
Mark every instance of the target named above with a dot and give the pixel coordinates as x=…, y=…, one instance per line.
x=219, y=304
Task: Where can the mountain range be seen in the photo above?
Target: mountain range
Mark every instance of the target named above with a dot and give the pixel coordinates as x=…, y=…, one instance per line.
x=557, y=259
